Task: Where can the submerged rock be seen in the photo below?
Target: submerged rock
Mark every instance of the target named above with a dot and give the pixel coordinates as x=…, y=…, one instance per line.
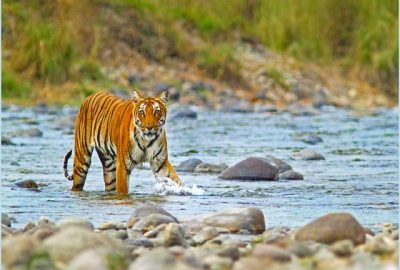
x=6, y=141
x=30, y=132
x=254, y=168
x=311, y=139
x=331, y=228
x=26, y=184
x=210, y=168
x=236, y=219
x=188, y=165
x=308, y=155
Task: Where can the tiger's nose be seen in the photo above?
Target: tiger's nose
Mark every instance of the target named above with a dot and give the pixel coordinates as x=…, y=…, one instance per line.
x=147, y=131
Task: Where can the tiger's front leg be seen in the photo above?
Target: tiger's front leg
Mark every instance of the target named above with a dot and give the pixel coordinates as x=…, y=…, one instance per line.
x=163, y=168
x=122, y=176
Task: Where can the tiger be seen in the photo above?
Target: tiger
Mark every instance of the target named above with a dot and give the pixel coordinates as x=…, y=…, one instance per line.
x=125, y=133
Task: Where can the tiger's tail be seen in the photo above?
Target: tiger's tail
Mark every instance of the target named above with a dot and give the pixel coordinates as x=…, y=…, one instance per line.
x=67, y=156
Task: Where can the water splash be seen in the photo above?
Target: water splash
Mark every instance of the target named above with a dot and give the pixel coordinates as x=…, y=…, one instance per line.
x=167, y=186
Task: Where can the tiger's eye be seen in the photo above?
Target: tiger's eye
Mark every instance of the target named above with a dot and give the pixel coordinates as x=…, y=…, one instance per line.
x=137, y=122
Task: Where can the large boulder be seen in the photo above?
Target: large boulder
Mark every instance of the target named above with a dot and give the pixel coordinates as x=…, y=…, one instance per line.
x=145, y=210
x=331, y=228
x=236, y=219
x=254, y=168
x=71, y=241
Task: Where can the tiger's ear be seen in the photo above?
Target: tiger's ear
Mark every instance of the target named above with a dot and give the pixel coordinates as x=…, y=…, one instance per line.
x=163, y=96
x=135, y=95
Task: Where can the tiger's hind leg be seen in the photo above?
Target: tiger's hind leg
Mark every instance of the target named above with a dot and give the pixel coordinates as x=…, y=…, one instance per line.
x=82, y=160
x=109, y=170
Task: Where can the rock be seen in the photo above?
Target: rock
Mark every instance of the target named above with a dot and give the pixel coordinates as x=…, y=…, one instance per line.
x=154, y=232
x=17, y=251
x=217, y=262
x=112, y=225
x=188, y=165
x=158, y=258
x=343, y=248
x=75, y=222
x=118, y=234
x=265, y=108
x=254, y=168
x=276, y=234
x=72, y=240
x=290, y=175
x=151, y=221
x=42, y=232
x=207, y=233
x=173, y=235
x=140, y=242
x=40, y=108
x=90, y=259
x=274, y=253
x=331, y=228
x=241, y=106
x=6, y=141
x=26, y=184
x=280, y=164
x=311, y=139
x=252, y=263
x=147, y=209
x=230, y=252
x=236, y=219
x=210, y=168
x=381, y=245
x=183, y=113
x=308, y=155
x=299, y=110
x=5, y=220
x=5, y=231
x=303, y=249
x=65, y=123
x=30, y=132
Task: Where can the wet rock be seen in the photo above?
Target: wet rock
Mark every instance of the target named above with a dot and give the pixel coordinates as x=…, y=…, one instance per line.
x=331, y=228
x=308, y=155
x=343, y=248
x=147, y=209
x=17, y=251
x=30, y=132
x=152, y=221
x=173, y=235
x=236, y=219
x=188, y=165
x=210, y=168
x=6, y=141
x=112, y=225
x=158, y=258
x=183, y=113
x=291, y=175
x=75, y=222
x=254, y=168
x=5, y=220
x=26, y=184
x=274, y=253
x=72, y=240
x=14, y=163
x=280, y=164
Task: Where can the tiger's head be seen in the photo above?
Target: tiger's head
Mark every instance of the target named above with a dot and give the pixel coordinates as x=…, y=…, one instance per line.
x=149, y=113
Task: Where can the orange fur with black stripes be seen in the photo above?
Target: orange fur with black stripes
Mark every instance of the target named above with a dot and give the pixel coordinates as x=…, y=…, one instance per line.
x=124, y=133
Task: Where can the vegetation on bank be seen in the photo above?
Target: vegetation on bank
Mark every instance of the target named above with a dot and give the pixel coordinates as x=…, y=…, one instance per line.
x=49, y=43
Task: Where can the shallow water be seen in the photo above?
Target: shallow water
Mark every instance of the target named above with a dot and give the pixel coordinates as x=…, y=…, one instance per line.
x=360, y=174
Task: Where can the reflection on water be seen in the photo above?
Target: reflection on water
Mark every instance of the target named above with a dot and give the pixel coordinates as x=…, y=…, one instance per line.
x=359, y=175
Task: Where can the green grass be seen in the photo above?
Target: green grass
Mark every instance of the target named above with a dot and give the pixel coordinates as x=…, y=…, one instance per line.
x=13, y=87
x=52, y=43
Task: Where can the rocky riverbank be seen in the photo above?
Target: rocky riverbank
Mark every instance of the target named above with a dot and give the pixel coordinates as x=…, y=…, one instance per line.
x=235, y=238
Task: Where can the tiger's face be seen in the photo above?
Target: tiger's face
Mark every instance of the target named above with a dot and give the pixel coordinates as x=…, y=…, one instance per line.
x=149, y=114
